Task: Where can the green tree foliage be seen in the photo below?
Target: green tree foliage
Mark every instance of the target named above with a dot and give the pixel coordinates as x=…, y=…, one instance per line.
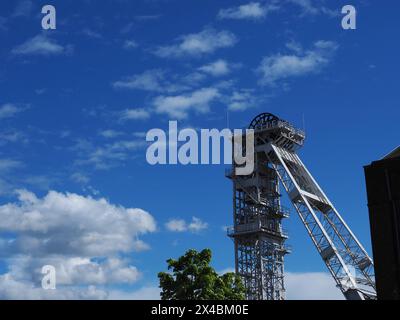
x=192, y=278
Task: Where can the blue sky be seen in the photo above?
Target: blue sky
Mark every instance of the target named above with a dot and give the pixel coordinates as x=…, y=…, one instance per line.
x=75, y=103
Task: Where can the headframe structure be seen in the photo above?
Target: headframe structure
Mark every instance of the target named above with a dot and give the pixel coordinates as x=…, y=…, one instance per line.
x=257, y=232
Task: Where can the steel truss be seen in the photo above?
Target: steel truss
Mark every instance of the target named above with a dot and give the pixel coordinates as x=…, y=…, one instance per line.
x=258, y=234
x=258, y=213
x=345, y=257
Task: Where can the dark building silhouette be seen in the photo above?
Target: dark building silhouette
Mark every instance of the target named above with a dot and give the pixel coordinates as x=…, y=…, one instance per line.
x=383, y=191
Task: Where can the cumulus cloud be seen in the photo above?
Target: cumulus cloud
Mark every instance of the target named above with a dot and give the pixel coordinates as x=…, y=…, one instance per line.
x=300, y=63
x=41, y=45
x=196, y=44
x=82, y=237
x=260, y=10
x=180, y=225
x=72, y=224
x=14, y=289
x=250, y=11
x=74, y=270
x=179, y=107
x=197, y=225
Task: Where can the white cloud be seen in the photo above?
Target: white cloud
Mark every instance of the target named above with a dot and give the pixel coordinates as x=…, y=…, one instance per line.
x=109, y=134
x=130, y=44
x=176, y=225
x=197, y=225
x=80, y=178
x=180, y=106
x=241, y=100
x=140, y=245
x=189, y=81
x=179, y=225
x=311, y=286
x=41, y=45
x=72, y=224
x=283, y=66
x=9, y=110
x=81, y=237
x=144, y=293
x=250, y=11
x=42, y=182
x=84, y=271
x=13, y=137
x=150, y=80
x=14, y=289
x=217, y=68
x=196, y=44
x=135, y=114
x=105, y=156
x=74, y=270
x=9, y=164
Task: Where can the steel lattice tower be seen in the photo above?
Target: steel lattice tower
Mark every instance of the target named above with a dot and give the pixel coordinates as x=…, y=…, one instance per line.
x=257, y=232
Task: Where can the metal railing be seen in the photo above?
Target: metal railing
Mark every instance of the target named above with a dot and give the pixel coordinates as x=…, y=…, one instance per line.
x=280, y=124
x=256, y=226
